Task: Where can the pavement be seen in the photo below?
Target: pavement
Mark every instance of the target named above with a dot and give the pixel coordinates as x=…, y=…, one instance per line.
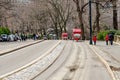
x=7, y=47
x=113, y=50
x=85, y=64
x=109, y=56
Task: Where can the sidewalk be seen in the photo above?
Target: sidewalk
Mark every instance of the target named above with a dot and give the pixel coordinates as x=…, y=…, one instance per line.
x=109, y=55
x=113, y=50
x=7, y=47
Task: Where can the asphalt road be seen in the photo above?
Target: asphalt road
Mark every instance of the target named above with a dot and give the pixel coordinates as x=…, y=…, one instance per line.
x=57, y=64
x=17, y=59
x=76, y=62
x=79, y=57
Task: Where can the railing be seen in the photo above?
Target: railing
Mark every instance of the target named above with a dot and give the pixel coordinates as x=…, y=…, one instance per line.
x=117, y=38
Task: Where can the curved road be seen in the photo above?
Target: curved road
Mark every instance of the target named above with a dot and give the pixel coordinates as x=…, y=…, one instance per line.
x=79, y=57
x=57, y=64
x=76, y=62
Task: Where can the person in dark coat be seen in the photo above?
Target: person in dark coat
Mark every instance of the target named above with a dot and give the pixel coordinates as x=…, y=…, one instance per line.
x=111, y=38
x=34, y=36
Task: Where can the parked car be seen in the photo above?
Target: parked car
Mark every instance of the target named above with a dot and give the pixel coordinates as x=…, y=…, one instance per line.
x=18, y=37
x=4, y=37
x=13, y=37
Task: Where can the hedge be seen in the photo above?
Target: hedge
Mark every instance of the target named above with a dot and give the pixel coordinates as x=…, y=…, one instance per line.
x=4, y=30
x=118, y=32
x=101, y=35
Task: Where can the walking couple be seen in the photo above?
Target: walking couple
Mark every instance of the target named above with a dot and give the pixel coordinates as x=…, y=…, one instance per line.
x=109, y=38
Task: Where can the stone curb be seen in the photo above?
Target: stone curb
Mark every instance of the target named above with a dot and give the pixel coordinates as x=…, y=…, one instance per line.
x=117, y=43
x=18, y=48
x=29, y=64
x=104, y=62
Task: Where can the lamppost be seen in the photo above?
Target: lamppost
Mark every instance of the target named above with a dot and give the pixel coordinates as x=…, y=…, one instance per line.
x=90, y=21
x=107, y=5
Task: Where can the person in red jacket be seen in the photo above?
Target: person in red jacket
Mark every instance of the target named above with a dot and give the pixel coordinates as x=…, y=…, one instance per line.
x=94, y=39
x=106, y=39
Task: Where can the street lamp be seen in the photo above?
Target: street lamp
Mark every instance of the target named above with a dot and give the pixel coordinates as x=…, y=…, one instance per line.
x=90, y=21
x=107, y=5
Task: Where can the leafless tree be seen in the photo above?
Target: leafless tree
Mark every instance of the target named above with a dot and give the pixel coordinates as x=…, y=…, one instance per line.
x=80, y=15
x=60, y=13
x=115, y=21
x=5, y=8
x=114, y=6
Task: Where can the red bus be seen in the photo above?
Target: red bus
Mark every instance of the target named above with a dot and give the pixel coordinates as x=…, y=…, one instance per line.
x=76, y=34
x=64, y=36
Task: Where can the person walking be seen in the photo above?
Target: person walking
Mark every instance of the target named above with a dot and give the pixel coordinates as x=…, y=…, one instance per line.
x=111, y=38
x=94, y=39
x=106, y=39
x=34, y=36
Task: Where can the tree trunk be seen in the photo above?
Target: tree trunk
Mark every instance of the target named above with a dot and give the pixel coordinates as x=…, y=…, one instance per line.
x=80, y=18
x=64, y=26
x=44, y=31
x=61, y=31
x=81, y=25
x=97, y=17
x=115, y=21
x=56, y=31
x=6, y=24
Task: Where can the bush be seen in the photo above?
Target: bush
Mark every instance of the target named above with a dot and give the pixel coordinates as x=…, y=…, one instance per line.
x=112, y=31
x=118, y=32
x=30, y=36
x=102, y=34
x=1, y=31
x=4, y=30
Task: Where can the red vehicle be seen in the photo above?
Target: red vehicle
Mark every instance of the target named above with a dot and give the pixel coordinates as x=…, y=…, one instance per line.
x=64, y=36
x=76, y=34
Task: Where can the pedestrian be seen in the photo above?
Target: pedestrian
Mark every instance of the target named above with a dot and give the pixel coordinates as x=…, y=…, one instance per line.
x=22, y=36
x=111, y=38
x=106, y=39
x=94, y=39
x=34, y=36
